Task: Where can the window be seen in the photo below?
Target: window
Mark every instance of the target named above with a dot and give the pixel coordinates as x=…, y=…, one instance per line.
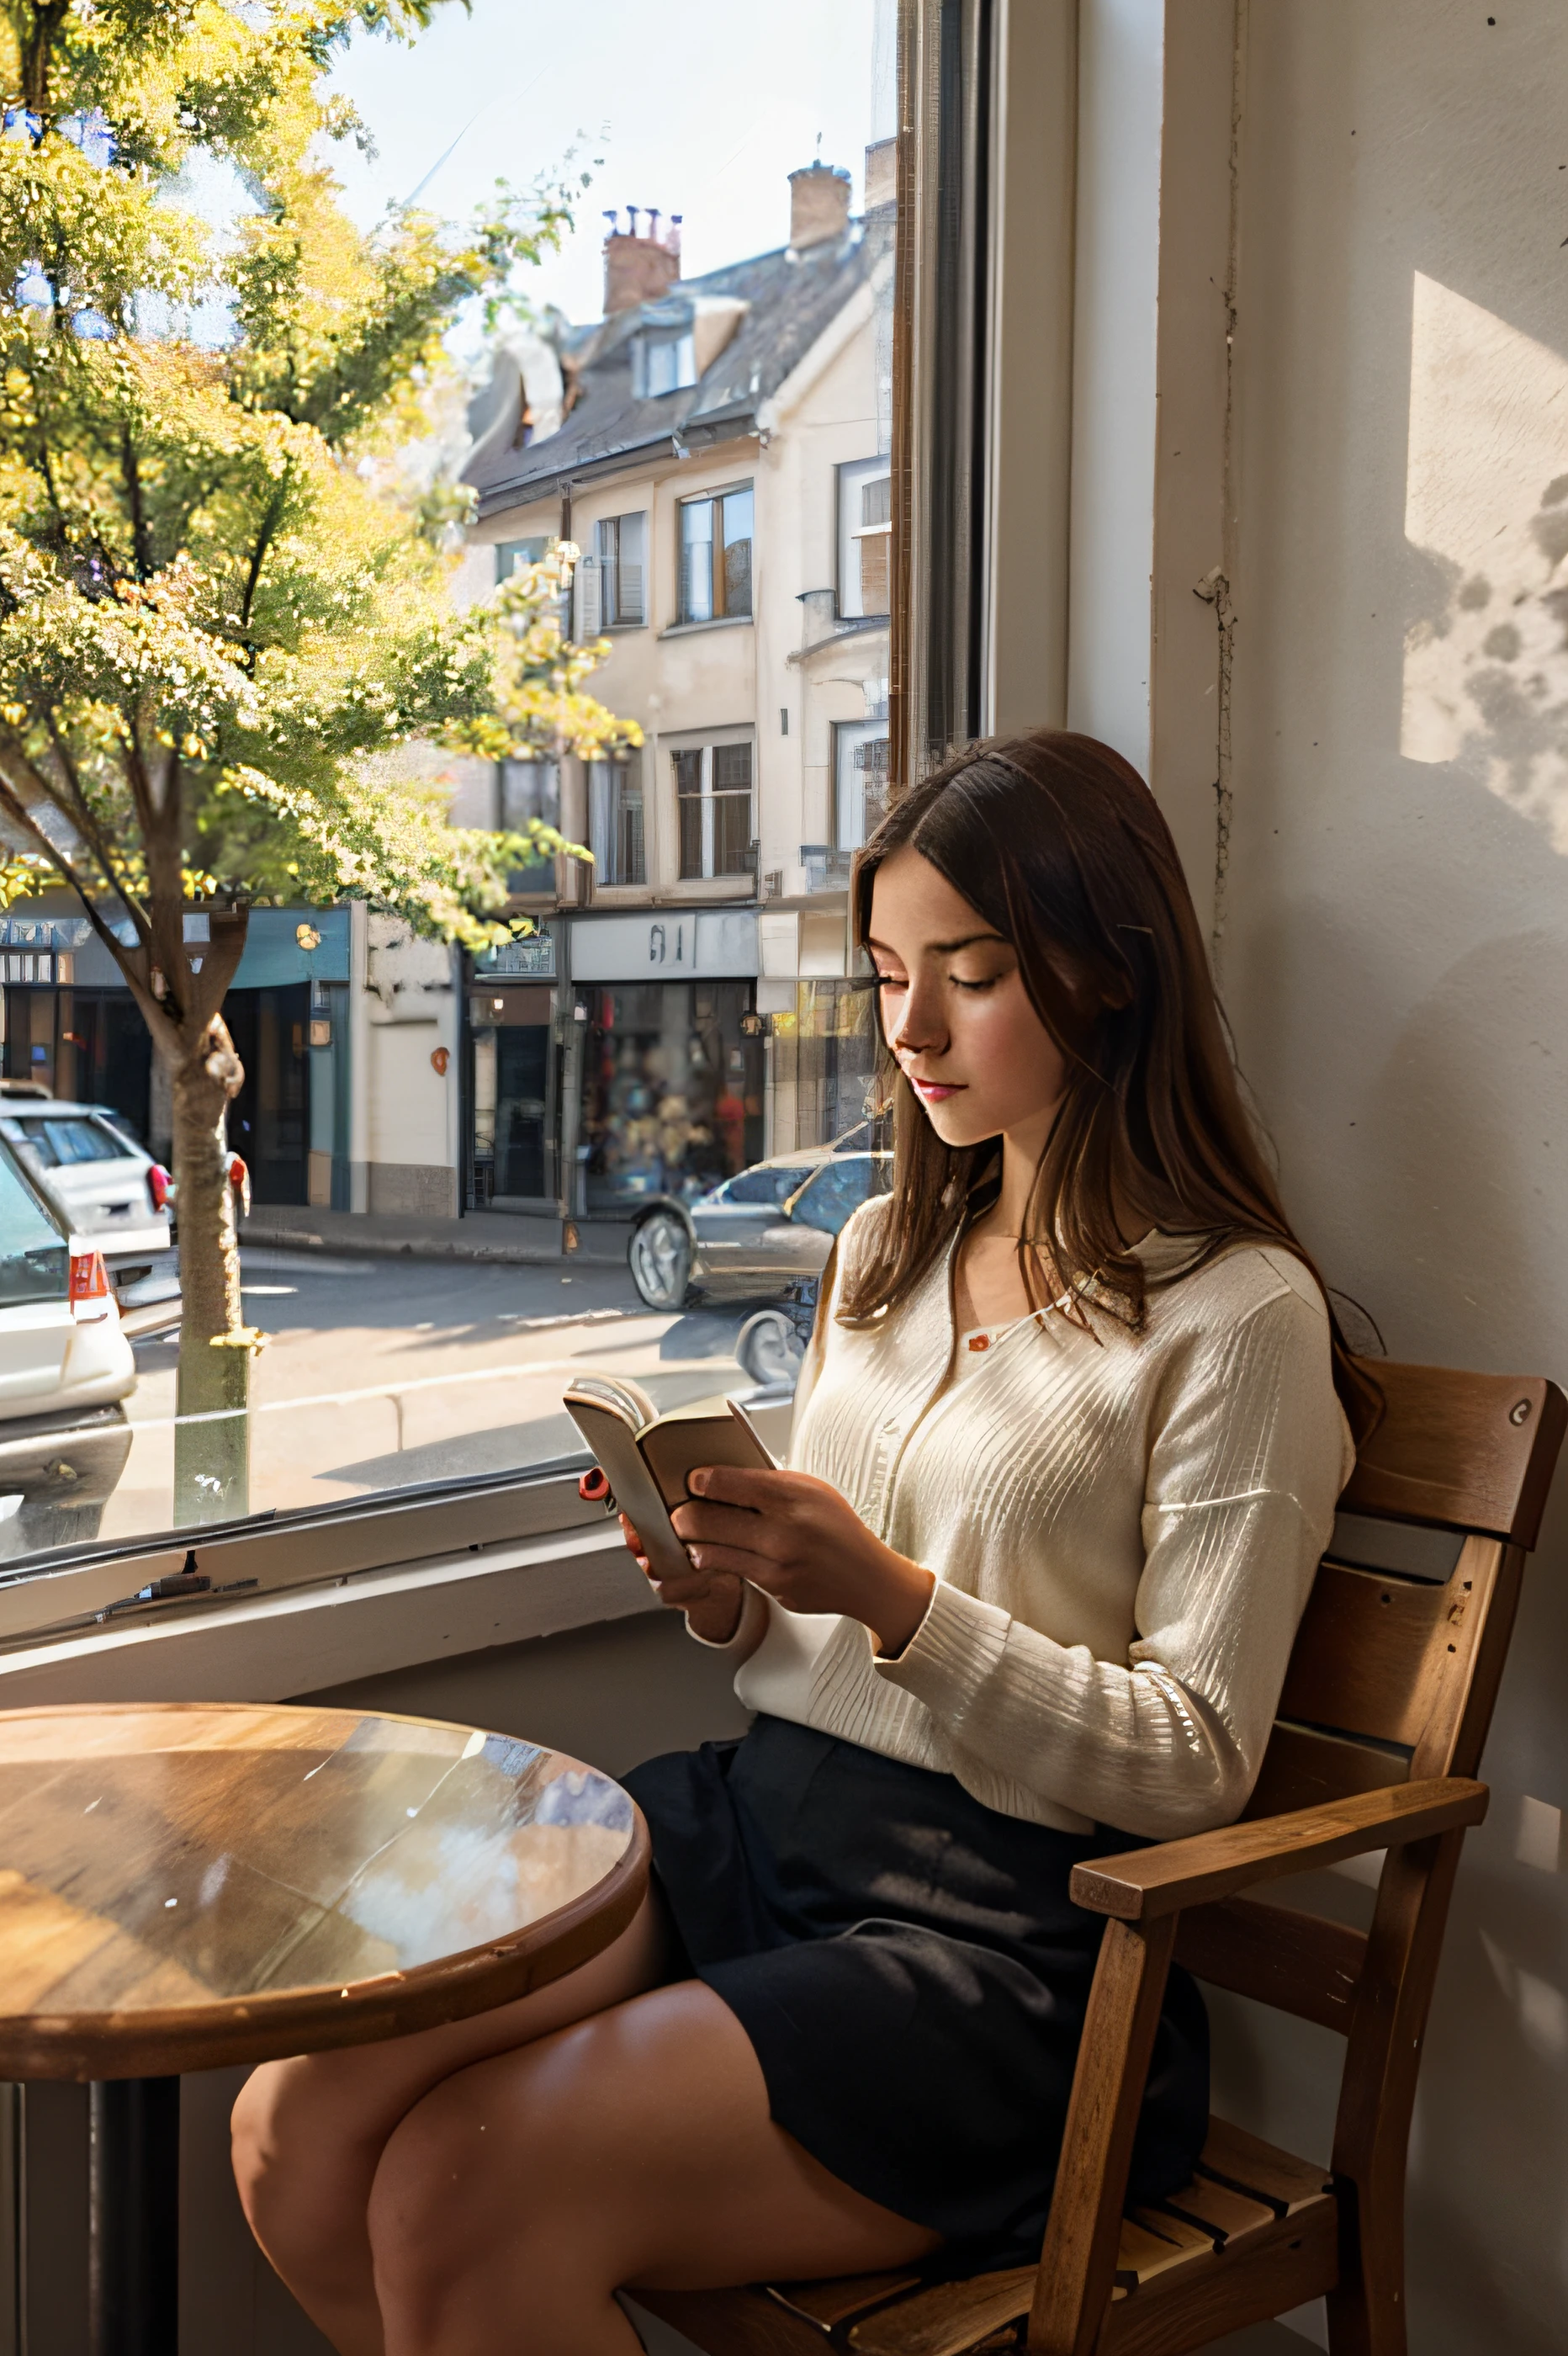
x=615, y=822
x=512, y=555
x=530, y=789
x=716, y=557
x=767, y=1187
x=400, y=1087
x=33, y=1256
x=839, y=1188
x=860, y=779
x=619, y=545
x=713, y=800
x=662, y=362
x=865, y=537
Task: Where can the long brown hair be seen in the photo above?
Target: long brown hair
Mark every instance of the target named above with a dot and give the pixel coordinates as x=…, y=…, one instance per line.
x=1058, y=843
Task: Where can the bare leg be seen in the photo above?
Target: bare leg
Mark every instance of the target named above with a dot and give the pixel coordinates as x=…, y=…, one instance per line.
x=635, y=2146
x=308, y=2134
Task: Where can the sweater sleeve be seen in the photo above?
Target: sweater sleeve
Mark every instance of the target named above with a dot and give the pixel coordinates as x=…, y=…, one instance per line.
x=1248, y=1452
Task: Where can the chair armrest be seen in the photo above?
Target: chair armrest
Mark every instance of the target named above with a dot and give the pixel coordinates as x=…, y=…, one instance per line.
x=1149, y=1882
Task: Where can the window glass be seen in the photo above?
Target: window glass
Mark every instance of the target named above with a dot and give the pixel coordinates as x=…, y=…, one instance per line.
x=763, y=1187
x=437, y=1146
x=838, y=1190
x=615, y=822
x=620, y=542
x=62, y=1142
x=34, y=1260
x=696, y=560
x=736, y=511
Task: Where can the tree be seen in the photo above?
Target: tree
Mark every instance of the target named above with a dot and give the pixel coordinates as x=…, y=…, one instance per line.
x=221, y=601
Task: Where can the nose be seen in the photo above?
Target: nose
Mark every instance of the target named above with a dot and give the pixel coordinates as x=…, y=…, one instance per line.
x=920, y=1029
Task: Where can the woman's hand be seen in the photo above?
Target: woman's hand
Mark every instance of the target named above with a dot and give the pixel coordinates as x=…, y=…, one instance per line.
x=797, y=1539
x=711, y=1600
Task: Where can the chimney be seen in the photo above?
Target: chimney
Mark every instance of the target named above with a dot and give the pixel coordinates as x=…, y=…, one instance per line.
x=881, y=176
x=639, y=269
x=818, y=205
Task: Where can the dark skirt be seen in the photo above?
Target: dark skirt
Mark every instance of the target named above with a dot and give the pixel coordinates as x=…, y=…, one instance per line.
x=911, y=1974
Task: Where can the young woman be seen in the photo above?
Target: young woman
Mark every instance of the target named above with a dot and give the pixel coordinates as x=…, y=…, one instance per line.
x=1065, y=1455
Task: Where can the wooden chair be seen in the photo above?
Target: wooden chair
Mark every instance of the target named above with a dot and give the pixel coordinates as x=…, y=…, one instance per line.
x=1384, y=1713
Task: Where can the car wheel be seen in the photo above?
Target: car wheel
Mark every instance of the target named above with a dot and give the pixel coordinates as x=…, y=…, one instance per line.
x=770, y=1349
x=659, y=1257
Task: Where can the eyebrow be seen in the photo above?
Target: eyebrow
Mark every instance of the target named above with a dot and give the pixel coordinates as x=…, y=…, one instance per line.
x=945, y=948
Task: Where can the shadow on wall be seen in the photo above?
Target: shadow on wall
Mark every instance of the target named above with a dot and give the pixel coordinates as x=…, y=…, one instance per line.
x=1485, y=667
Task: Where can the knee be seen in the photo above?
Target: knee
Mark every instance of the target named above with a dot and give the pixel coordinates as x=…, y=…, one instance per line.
x=253, y=2142
x=458, y=2204
x=289, y=2139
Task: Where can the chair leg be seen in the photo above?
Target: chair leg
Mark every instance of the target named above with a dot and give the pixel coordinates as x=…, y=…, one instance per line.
x=1366, y=2313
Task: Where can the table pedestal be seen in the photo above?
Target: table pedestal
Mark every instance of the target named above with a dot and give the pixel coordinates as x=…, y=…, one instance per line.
x=133, y=2183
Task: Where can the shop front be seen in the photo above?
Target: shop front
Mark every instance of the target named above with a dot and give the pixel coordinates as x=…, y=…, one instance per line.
x=70, y=1024
x=514, y=1059
x=667, y=1054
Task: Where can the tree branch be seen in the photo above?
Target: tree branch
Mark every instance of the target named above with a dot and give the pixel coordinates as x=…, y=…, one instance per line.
x=133, y=473
x=139, y=985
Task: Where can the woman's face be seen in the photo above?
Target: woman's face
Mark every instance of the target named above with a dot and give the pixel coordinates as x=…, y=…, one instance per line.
x=955, y=1013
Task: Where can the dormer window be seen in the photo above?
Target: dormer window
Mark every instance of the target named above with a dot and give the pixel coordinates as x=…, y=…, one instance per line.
x=663, y=362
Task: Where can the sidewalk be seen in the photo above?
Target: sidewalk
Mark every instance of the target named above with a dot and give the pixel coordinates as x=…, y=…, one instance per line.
x=496, y=1236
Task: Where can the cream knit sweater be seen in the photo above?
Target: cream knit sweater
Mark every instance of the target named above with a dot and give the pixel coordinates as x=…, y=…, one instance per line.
x=1124, y=1528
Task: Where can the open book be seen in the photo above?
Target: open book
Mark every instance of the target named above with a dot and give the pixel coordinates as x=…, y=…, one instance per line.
x=648, y=1457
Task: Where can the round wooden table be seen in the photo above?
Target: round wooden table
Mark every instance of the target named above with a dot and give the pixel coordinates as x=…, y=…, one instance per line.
x=187, y=1886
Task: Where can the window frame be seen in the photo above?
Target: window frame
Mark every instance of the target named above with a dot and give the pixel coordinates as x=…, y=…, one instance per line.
x=852, y=476
x=700, y=802
x=609, y=558
x=718, y=585
x=611, y=783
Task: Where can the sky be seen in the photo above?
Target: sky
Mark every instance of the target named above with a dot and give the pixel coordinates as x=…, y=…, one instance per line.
x=701, y=108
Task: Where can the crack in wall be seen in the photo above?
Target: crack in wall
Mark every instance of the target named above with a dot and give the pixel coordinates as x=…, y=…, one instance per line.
x=1215, y=586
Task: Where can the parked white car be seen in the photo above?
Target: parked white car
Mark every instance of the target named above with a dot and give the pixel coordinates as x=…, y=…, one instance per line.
x=65, y=1365
x=97, y=1177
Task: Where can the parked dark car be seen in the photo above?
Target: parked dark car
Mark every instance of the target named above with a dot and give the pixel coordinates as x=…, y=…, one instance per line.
x=765, y=1237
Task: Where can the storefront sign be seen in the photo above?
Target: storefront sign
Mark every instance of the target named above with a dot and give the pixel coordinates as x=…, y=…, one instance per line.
x=671, y=945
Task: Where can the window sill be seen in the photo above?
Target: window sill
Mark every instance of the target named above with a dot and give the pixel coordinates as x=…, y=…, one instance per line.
x=270, y=1647
x=722, y=622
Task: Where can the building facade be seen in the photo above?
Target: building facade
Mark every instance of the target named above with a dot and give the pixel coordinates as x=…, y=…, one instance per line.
x=718, y=449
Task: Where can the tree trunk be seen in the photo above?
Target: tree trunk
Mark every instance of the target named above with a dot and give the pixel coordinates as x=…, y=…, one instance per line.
x=212, y=1451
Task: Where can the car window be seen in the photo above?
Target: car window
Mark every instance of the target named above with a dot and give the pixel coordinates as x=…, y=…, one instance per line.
x=35, y=1264
x=763, y=1186
x=836, y=1190
x=60, y=1142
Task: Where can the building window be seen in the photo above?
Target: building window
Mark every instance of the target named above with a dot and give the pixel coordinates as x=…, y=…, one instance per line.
x=860, y=779
x=615, y=822
x=619, y=555
x=865, y=537
x=530, y=789
x=713, y=799
x=716, y=556
x=513, y=555
x=663, y=363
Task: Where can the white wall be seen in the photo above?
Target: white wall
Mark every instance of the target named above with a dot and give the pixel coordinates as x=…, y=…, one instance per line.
x=1120, y=56
x=1396, y=959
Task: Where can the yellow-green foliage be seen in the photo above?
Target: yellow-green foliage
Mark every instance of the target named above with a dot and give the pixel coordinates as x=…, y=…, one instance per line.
x=218, y=615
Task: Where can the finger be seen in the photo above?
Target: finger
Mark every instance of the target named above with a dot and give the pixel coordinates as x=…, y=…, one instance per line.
x=716, y=1559
x=733, y=1485
x=726, y=1526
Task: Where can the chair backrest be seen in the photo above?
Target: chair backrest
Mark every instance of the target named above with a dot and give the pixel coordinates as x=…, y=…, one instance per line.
x=1394, y=1670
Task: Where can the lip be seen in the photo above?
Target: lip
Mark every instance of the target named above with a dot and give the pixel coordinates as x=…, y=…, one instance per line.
x=934, y=1091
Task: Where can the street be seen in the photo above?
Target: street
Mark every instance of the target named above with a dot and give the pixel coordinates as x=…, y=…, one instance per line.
x=380, y=1373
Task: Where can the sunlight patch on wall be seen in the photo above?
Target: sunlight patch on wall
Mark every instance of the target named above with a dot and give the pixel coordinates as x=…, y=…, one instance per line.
x=1485, y=659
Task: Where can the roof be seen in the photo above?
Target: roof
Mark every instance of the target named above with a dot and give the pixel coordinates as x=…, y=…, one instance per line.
x=791, y=298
